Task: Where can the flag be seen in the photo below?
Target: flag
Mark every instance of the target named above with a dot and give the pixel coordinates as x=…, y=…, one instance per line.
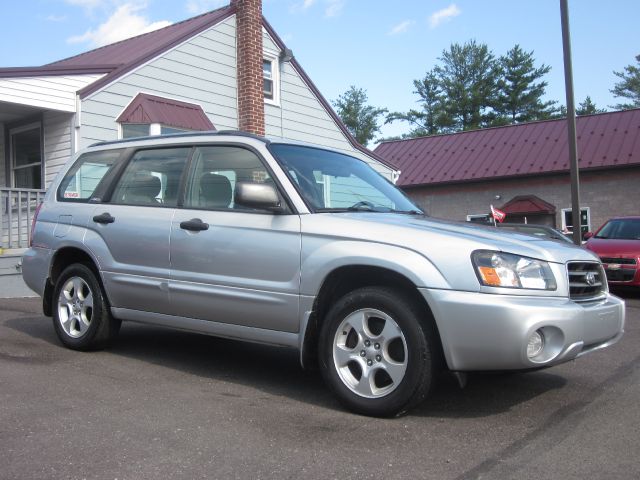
x=498, y=214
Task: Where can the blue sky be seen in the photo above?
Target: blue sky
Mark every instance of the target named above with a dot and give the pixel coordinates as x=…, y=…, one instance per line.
x=378, y=45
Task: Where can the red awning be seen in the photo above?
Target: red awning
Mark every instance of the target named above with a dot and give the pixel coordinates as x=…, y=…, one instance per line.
x=527, y=205
x=146, y=108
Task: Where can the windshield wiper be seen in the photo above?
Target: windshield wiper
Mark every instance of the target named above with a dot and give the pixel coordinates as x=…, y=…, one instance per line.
x=407, y=212
x=364, y=208
x=349, y=209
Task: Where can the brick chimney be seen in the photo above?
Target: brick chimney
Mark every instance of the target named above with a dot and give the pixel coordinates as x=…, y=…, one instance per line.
x=250, y=81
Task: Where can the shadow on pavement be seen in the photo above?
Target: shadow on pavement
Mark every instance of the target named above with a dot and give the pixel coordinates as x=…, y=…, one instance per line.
x=628, y=293
x=277, y=371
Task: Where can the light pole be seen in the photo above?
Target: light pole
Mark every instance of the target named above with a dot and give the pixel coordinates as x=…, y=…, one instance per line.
x=571, y=124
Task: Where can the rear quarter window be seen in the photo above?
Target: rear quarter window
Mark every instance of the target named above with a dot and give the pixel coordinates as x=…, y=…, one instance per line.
x=82, y=180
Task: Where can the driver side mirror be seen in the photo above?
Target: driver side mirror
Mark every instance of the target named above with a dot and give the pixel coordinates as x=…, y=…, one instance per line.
x=587, y=235
x=258, y=195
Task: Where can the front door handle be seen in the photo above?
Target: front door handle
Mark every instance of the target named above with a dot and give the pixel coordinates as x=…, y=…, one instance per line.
x=194, y=225
x=104, y=218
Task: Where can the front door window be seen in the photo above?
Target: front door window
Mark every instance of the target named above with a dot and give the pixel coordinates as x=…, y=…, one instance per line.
x=26, y=156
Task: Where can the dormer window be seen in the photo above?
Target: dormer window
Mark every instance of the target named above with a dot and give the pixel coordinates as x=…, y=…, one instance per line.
x=151, y=115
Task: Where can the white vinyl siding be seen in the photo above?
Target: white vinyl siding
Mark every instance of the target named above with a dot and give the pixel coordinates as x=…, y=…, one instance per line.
x=300, y=115
x=3, y=160
x=55, y=92
x=57, y=143
x=201, y=71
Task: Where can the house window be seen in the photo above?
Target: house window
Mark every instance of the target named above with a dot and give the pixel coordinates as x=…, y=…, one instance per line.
x=131, y=130
x=26, y=156
x=271, y=80
x=585, y=220
x=479, y=218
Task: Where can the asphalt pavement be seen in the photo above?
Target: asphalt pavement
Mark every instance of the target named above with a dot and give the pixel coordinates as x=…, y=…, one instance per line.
x=168, y=404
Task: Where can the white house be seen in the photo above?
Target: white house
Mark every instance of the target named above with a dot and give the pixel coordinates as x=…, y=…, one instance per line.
x=199, y=74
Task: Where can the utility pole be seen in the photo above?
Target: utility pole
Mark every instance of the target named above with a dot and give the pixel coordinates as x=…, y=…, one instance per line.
x=571, y=124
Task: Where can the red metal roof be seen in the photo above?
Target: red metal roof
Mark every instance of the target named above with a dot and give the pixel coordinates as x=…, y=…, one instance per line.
x=146, y=108
x=605, y=140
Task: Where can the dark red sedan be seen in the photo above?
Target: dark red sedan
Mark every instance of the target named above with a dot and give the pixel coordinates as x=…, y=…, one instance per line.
x=617, y=243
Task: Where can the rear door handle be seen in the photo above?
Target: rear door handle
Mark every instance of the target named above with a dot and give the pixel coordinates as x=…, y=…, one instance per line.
x=194, y=225
x=104, y=218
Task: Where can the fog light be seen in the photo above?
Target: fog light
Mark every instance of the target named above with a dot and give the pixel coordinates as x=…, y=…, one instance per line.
x=535, y=344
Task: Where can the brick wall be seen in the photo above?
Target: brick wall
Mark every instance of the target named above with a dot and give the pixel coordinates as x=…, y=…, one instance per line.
x=249, y=51
x=606, y=193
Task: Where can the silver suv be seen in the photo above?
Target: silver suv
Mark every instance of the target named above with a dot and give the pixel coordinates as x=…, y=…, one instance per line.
x=288, y=244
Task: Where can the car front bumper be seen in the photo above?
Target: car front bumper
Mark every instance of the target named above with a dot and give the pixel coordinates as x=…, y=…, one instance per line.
x=483, y=332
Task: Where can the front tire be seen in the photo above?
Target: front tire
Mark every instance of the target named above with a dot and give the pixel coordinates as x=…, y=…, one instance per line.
x=377, y=351
x=81, y=316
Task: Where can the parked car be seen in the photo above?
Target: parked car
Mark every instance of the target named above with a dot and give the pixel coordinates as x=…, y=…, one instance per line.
x=542, y=231
x=268, y=241
x=617, y=243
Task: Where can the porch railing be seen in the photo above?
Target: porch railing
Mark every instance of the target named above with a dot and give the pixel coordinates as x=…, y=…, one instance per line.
x=17, y=207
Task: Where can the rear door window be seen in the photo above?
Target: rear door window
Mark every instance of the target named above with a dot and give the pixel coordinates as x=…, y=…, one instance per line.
x=152, y=178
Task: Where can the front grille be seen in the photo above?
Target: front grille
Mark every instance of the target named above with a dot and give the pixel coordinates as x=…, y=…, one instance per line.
x=619, y=261
x=586, y=280
x=622, y=275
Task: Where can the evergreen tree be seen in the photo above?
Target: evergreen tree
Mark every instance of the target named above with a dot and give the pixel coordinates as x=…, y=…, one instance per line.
x=361, y=119
x=629, y=86
x=520, y=90
x=468, y=77
x=427, y=120
x=588, y=107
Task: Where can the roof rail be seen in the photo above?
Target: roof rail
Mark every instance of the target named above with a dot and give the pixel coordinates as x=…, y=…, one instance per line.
x=235, y=133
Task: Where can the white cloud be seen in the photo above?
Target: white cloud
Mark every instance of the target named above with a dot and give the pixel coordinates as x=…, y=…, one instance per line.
x=401, y=27
x=334, y=8
x=196, y=7
x=124, y=23
x=88, y=4
x=302, y=6
x=56, y=18
x=444, y=15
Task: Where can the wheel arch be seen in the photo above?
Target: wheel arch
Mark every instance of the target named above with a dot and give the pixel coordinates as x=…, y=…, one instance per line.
x=62, y=258
x=345, y=279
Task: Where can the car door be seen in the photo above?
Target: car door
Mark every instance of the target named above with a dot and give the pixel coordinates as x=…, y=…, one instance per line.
x=130, y=233
x=232, y=264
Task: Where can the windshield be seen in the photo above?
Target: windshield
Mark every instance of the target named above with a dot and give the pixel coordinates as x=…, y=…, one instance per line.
x=331, y=181
x=621, y=229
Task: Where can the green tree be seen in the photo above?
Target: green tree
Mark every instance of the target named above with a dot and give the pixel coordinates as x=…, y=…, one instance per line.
x=588, y=107
x=455, y=95
x=628, y=87
x=520, y=89
x=427, y=120
x=361, y=119
x=468, y=77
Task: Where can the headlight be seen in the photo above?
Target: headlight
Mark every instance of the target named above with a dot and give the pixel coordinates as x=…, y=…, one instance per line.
x=497, y=269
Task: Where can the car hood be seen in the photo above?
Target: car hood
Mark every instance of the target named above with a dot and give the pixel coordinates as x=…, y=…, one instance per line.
x=446, y=245
x=614, y=248
x=427, y=234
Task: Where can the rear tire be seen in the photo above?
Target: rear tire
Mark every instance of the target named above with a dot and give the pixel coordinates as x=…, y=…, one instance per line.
x=81, y=316
x=377, y=351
